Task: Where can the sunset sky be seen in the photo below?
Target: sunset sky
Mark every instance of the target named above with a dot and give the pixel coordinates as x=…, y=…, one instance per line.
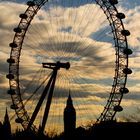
x=92, y=58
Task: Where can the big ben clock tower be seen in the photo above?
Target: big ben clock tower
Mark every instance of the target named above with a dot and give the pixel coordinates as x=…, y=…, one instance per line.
x=69, y=118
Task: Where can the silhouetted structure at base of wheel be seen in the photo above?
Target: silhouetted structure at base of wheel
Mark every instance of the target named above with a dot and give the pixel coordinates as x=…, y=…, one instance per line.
x=102, y=131
x=5, y=128
x=110, y=130
x=116, y=131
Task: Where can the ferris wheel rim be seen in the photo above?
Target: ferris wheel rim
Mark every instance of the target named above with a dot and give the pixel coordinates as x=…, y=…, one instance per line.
x=122, y=52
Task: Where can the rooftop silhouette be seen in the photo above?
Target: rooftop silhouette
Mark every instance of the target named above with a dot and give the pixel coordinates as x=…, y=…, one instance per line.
x=103, y=130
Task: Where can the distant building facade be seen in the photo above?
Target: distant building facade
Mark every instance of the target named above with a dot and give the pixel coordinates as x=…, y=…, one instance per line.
x=69, y=118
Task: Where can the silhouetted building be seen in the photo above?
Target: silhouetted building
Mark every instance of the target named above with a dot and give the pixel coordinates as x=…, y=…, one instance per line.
x=69, y=118
x=6, y=128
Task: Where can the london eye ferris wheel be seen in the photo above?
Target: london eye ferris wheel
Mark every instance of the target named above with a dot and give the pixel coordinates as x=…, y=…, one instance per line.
x=62, y=47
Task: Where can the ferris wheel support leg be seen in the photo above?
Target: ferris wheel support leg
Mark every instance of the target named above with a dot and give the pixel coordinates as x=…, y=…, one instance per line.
x=48, y=104
x=39, y=103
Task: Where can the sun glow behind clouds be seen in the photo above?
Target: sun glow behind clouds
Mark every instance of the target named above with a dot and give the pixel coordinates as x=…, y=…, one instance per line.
x=67, y=36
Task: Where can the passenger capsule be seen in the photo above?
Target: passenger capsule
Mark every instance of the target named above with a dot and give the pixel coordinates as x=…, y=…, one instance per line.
x=125, y=32
x=124, y=90
x=118, y=108
x=127, y=71
x=30, y=3
x=13, y=106
x=11, y=92
x=23, y=16
x=113, y=2
x=17, y=30
x=11, y=60
x=127, y=51
x=10, y=76
x=13, y=45
x=18, y=120
x=120, y=15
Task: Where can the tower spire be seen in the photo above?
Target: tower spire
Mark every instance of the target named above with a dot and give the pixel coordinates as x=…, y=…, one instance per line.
x=7, y=125
x=6, y=117
x=69, y=100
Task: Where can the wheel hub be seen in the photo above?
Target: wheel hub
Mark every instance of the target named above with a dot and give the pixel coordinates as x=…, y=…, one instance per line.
x=56, y=65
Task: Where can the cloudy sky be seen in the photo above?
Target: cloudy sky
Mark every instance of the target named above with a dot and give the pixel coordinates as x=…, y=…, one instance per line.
x=78, y=35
